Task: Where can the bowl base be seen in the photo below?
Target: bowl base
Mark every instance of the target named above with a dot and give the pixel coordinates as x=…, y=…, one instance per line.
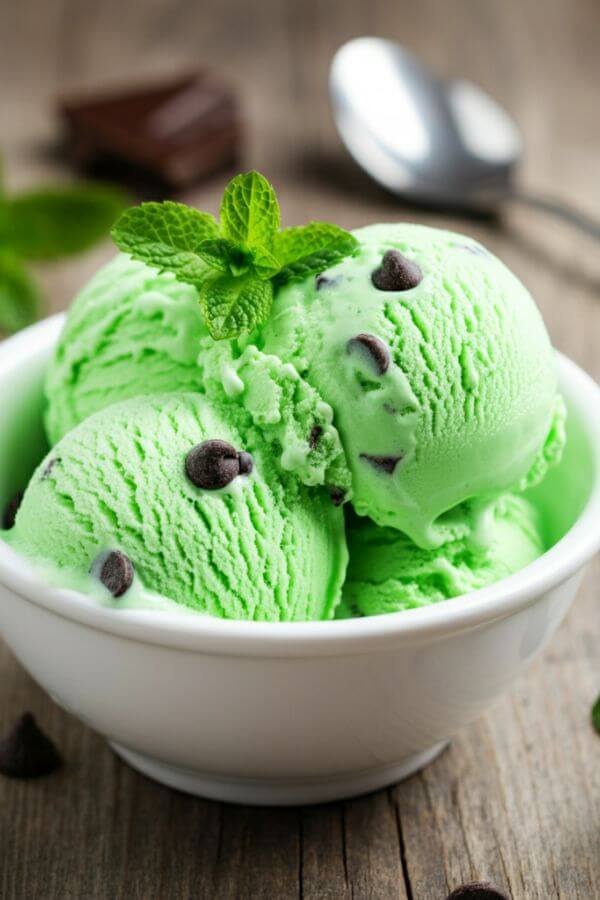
x=280, y=791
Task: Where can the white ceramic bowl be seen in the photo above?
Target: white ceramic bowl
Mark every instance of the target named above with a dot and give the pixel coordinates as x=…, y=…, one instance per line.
x=287, y=713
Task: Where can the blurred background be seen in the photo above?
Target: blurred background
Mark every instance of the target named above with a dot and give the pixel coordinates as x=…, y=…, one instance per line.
x=540, y=61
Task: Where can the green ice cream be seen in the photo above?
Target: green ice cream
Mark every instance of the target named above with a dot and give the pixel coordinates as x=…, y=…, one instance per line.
x=440, y=392
x=130, y=331
x=262, y=547
x=388, y=573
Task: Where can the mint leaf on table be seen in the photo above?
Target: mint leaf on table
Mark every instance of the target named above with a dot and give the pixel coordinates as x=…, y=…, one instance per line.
x=310, y=249
x=167, y=236
x=234, y=305
x=250, y=211
x=19, y=298
x=54, y=222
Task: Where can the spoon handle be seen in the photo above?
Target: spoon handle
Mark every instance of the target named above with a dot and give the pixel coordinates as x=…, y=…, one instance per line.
x=559, y=209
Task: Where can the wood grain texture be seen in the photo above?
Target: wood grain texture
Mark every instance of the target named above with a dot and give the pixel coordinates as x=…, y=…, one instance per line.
x=516, y=798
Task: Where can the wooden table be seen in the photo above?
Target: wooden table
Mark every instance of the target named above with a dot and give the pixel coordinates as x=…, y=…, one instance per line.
x=516, y=798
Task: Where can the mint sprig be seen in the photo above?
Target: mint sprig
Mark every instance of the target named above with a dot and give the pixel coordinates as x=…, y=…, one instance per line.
x=46, y=224
x=237, y=264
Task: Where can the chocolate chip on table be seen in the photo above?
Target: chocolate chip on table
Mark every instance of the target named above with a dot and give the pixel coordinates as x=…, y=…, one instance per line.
x=214, y=464
x=384, y=463
x=49, y=466
x=115, y=571
x=10, y=510
x=338, y=495
x=374, y=348
x=396, y=273
x=26, y=752
x=478, y=890
x=315, y=434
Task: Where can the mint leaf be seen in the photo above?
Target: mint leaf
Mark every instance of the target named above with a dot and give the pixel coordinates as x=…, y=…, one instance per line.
x=19, y=299
x=55, y=222
x=250, y=211
x=596, y=714
x=221, y=254
x=309, y=249
x=167, y=236
x=233, y=306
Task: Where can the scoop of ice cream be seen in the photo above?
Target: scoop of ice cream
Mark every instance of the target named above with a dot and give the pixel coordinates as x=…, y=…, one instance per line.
x=163, y=491
x=389, y=573
x=438, y=368
x=130, y=331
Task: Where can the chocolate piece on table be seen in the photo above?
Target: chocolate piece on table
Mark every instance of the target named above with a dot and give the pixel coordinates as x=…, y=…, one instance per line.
x=396, y=273
x=477, y=890
x=10, y=510
x=26, y=752
x=178, y=132
x=115, y=571
x=372, y=347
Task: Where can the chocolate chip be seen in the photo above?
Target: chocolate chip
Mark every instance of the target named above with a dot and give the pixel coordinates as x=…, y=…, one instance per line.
x=324, y=281
x=385, y=463
x=10, y=510
x=49, y=466
x=315, y=434
x=374, y=348
x=482, y=890
x=338, y=495
x=115, y=570
x=246, y=462
x=214, y=464
x=26, y=752
x=396, y=273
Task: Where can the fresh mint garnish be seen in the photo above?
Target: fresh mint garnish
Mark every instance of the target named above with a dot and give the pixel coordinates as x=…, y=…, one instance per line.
x=235, y=265
x=596, y=714
x=46, y=224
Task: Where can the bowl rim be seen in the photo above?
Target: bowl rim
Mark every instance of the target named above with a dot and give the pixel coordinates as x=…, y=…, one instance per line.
x=242, y=638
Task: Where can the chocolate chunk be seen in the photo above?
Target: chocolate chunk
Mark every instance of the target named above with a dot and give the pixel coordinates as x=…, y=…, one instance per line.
x=324, y=281
x=246, y=462
x=481, y=890
x=396, y=273
x=49, y=466
x=26, y=752
x=10, y=510
x=338, y=495
x=115, y=571
x=374, y=348
x=385, y=463
x=315, y=434
x=214, y=464
x=179, y=131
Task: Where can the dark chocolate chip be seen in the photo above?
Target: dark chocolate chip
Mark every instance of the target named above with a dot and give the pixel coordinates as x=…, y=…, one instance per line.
x=325, y=281
x=212, y=465
x=10, y=510
x=396, y=273
x=385, y=463
x=338, y=495
x=49, y=466
x=315, y=434
x=115, y=571
x=374, y=348
x=26, y=752
x=246, y=462
x=481, y=890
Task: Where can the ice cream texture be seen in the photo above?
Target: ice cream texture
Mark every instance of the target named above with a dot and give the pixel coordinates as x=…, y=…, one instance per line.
x=130, y=331
x=441, y=391
x=389, y=573
x=264, y=547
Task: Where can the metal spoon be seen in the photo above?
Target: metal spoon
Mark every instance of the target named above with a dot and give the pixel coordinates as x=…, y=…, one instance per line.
x=432, y=140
